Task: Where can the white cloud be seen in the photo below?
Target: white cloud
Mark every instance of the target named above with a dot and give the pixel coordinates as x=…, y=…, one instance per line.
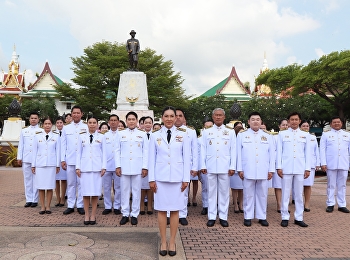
x=319, y=52
x=330, y=6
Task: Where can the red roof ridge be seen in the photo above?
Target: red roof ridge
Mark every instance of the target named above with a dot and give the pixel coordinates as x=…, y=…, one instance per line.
x=233, y=74
x=48, y=69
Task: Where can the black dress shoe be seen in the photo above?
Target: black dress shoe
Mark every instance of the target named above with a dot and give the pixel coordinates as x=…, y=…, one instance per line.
x=183, y=221
x=194, y=204
x=133, y=221
x=307, y=210
x=204, y=211
x=247, y=222
x=344, y=210
x=188, y=204
x=92, y=222
x=293, y=201
x=124, y=220
x=57, y=205
x=86, y=222
x=330, y=209
x=42, y=212
x=117, y=212
x=236, y=211
x=68, y=211
x=149, y=212
x=81, y=211
x=168, y=221
x=28, y=204
x=211, y=223
x=106, y=211
x=61, y=205
x=163, y=252
x=172, y=253
x=300, y=223
x=223, y=223
x=284, y=223
x=34, y=204
x=263, y=222
x=142, y=212
x=48, y=211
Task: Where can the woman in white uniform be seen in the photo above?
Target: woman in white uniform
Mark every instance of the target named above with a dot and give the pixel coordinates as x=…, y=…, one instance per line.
x=90, y=167
x=169, y=175
x=45, y=163
x=315, y=165
x=61, y=177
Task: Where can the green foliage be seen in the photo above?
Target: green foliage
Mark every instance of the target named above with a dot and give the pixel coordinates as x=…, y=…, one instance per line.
x=10, y=154
x=41, y=103
x=5, y=101
x=97, y=74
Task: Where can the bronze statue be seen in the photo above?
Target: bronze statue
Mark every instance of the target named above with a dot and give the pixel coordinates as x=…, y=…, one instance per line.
x=133, y=48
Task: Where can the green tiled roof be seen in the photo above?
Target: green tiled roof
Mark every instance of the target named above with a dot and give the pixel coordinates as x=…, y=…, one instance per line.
x=59, y=81
x=212, y=92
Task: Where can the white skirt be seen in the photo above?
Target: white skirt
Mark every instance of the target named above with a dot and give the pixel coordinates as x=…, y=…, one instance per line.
x=45, y=178
x=169, y=196
x=91, y=183
x=145, y=183
x=310, y=180
x=236, y=182
x=276, y=181
x=62, y=175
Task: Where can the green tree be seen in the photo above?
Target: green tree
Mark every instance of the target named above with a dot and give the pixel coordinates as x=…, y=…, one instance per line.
x=97, y=73
x=5, y=101
x=328, y=77
x=41, y=103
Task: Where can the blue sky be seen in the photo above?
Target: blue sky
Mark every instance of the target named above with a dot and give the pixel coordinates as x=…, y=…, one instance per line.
x=204, y=39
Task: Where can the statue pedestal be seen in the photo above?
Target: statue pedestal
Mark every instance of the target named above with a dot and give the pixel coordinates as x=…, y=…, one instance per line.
x=132, y=95
x=11, y=131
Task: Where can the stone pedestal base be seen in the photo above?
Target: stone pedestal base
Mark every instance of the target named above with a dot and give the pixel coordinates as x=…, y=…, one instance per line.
x=11, y=131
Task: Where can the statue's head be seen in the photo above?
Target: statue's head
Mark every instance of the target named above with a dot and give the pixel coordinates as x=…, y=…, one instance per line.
x=132, y=33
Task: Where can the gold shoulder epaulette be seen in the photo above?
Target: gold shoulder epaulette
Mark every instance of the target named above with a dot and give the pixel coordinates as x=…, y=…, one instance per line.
x=326, y=131
x=104, y=132
x=207, y=127
x=243, y=130
x=84, y=122
x=55, y=132
x=191, y=127
x=122, y=129
x=38, y=132
x=153, y=131
x=82, y=133
x=312, y=133
x=304, y=130
x=66, y=123
x=274, y=133
x=265, y=131
x=143, y=130
x=199, y=136
x=25, y=127
x=229, y=127
x=181, y=129
x=283, y=130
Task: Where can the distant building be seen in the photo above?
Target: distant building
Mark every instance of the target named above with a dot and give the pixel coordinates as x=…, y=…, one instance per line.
x=263, y=90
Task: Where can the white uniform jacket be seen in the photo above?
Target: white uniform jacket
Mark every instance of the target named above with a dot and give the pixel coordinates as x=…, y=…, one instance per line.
x=112, y=140
x=46, y=152
x=218, y=149
x=91, y=157
x=255, y=154
x=199, y=144
x=194, y=147
x=315, y=152
x=69, y=141
x=169, y=162
x=293, y=151
x=25, y=145
x=335, y=149
x=132, y=151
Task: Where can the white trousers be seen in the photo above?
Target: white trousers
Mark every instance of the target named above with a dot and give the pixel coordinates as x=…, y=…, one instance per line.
x=255, y=198
x=32, y=194
x=130, y=184
x=204, y=181
x=107, y=179
x=73, y=188
x=183, y=211
x=218, y=195
x=297, y=180
x=336, y=179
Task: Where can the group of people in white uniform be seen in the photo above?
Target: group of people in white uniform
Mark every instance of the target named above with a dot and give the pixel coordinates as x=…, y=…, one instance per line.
x=141, y=163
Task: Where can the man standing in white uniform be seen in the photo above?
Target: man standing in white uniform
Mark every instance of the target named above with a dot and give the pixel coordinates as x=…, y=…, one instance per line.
x=24, y=157
x=293, y=164
x=218, y=160
x=69, y=148
x=111, y=141
x=255, y=166
x=334, y=154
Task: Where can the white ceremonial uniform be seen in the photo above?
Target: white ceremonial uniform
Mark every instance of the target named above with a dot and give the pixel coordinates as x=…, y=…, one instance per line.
x=111, y=139
x=46, y=158
x=315, y=160
x=294, y=158
x=62, y=175
x=91, y=158
x=255, y=158
x=144, y=181
x=169, y=166
x=25, y=153
x=192, y=136
x=276, y=180
x=69, y=148
x=218, y=156
x=203, y=177
x=132, y=157
x=334, y=153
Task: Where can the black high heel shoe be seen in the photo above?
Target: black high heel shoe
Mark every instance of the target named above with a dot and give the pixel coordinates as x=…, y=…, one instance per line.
x=163, y=252
x=172, y=253
x=93, y=222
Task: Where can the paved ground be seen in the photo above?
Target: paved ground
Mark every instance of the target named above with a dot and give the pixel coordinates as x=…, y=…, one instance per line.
x=24, y=234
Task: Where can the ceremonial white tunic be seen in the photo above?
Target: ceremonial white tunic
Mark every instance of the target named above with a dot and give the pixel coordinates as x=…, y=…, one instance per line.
x=334, y=153
x=91, y=159
x=144, y=181
x=25, y=153
x=169, y=166
x=69, y=148
x=276, y=182
x=218, y=156
x=62, y=175
x=315, y=160
x=202, y=177
x=255, y=158
x=46, y=157
x=294, y=158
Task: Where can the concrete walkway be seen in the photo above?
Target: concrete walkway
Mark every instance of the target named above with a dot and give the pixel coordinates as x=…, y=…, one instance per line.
x=25, y=234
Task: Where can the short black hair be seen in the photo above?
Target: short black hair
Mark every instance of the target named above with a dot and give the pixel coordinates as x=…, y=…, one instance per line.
x=147, y=117
x=123, y=123
x=179, y=109
x=46, y=118
x=281, y=120
x=335, y=117
x=169, y=108
x=131, y=113
x=294, y=114
x=77, y=107
x=142, y=119
x=303, y=121
x=92, y=117
x=60, y=118
x=104, y=123
x=255, y=113
x=34, y=113
x=237, y=123
x=113, y=115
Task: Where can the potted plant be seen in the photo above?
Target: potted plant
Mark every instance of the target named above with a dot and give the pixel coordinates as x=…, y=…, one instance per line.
x=11, y=155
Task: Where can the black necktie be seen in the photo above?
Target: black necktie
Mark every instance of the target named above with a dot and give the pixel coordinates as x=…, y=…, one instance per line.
x=169, y=136
x=47, y=137
x=148, y=136
x=91, y=137
x=60, y=132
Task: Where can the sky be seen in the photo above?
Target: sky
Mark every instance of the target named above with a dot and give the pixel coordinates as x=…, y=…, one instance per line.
x=204, y=39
